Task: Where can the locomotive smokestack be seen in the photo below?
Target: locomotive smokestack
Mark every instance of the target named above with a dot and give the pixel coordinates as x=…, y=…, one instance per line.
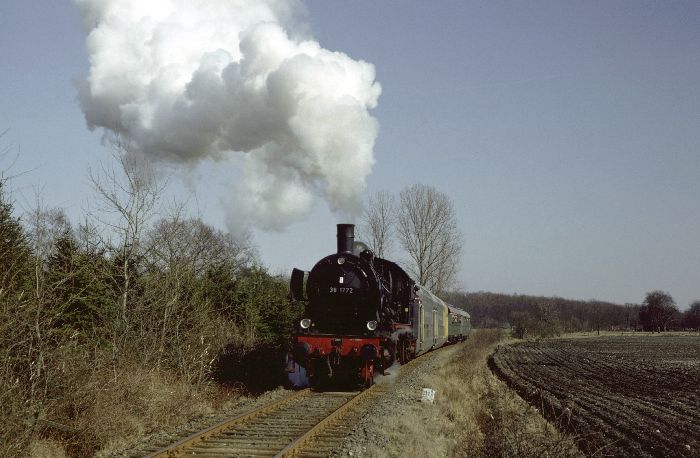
x=346, y=237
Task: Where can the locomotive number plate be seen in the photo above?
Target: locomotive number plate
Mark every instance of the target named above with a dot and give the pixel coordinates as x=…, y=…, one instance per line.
x=335, y=290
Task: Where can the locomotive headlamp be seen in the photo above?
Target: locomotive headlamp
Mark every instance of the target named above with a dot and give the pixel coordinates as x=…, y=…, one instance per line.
x=371, y=325
x=305, y=323
x=341, y=260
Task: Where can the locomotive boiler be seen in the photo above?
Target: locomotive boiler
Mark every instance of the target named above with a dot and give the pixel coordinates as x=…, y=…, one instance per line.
x=362, y=314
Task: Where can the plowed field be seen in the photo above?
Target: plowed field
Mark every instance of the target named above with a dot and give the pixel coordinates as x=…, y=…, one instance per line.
x=619, y=396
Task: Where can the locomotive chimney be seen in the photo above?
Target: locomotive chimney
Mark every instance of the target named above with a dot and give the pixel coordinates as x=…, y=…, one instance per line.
x=346, y=237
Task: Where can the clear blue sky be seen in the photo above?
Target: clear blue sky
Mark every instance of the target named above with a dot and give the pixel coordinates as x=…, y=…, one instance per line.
x=566, y=133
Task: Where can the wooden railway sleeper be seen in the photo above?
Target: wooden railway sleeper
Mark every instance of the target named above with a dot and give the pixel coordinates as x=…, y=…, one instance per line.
x=177, y=448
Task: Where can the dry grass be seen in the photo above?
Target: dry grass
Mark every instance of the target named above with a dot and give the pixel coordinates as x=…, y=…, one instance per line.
x=474, y=414
x=15, y=430
x=136, y=403
x=107, y=411
x=46, y=449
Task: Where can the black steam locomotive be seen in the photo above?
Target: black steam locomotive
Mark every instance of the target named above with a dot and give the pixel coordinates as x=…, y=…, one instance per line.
x=364, y=313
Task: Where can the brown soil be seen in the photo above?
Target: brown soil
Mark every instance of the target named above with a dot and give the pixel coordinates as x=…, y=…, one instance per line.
x=619, y=396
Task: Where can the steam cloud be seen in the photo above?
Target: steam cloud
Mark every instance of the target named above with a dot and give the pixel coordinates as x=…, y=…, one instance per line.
x=189, y=80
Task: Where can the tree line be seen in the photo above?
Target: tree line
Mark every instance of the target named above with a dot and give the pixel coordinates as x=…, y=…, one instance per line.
x=548, y=316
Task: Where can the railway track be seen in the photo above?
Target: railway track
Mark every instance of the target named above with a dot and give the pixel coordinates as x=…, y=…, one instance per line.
x=281, y=428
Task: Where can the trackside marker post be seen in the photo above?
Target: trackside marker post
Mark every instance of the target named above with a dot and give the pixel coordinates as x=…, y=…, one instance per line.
x=428, y=395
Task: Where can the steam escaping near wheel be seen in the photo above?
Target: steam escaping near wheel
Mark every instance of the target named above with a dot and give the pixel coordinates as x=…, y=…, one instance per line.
x=389, y=376
x=185, y=81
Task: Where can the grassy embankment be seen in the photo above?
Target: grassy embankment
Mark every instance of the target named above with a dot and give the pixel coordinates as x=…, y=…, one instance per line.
x=475, y=414
x=115, y=416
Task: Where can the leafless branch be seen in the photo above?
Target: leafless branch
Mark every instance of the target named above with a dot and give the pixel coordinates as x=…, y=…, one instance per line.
x=428, y=232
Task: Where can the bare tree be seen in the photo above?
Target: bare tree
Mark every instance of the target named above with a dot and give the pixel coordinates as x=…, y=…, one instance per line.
x=377, y=222
x=427, y=230
x=129, y=194
x=89, y=238
x=190, y=244
x=46, y=225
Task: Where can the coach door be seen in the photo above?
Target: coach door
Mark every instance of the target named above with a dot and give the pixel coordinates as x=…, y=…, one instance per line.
x=421, y=326
x=435, y=327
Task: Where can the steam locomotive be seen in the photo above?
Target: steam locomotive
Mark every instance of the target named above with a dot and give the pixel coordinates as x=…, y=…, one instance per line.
x=363, y=314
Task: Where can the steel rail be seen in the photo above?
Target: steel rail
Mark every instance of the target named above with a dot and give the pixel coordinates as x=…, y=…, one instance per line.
x=178, y=447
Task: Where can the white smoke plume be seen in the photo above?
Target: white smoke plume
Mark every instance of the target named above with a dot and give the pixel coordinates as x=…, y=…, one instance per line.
x=190, y=80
